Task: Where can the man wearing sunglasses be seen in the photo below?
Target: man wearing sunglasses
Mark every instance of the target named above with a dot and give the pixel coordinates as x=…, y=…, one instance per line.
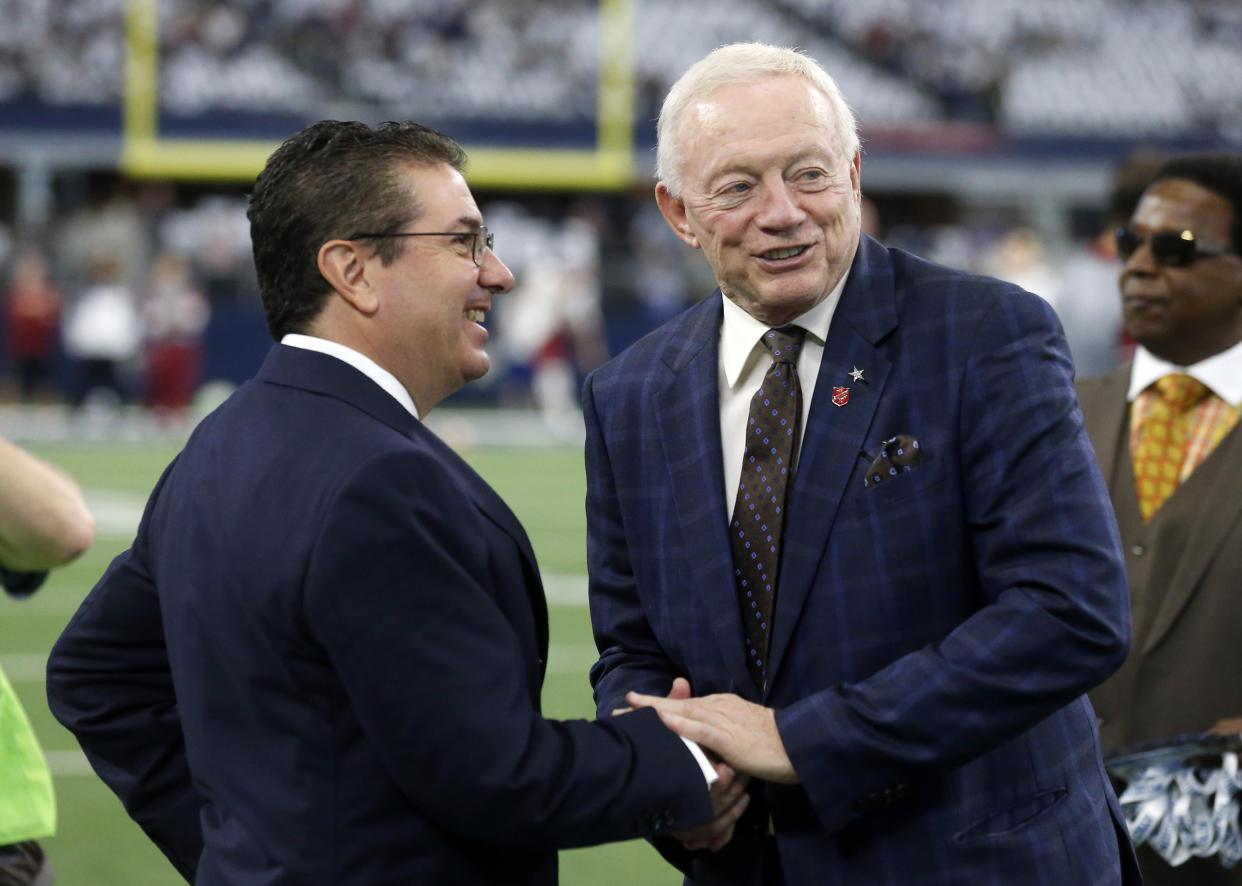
x=321, y=659
x=1165, y=430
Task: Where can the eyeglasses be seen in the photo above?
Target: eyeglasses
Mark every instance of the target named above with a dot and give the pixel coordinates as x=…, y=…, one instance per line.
x=1175, y=250
x=480, y=240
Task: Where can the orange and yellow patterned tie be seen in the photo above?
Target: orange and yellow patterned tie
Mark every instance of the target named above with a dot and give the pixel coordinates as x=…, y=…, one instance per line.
x=1162, y=440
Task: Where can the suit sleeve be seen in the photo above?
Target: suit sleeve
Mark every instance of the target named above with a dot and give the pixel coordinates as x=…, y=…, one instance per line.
x=1053, y=615
x=631, y=658
x=403, y=594
x=109, y=683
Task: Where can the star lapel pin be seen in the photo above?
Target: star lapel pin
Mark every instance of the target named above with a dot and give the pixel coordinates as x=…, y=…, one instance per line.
x=857, y=374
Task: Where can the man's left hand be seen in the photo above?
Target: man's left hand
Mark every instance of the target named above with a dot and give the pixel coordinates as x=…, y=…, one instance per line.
x=742, y=733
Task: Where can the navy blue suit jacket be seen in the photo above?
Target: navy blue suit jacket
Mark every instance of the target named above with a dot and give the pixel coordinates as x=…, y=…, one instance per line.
x=933, y=634
x=320, y=662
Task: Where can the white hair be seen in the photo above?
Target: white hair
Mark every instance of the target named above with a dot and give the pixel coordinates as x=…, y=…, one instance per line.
x=741, y=63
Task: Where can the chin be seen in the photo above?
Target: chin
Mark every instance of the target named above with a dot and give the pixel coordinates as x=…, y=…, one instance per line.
x=477, y=368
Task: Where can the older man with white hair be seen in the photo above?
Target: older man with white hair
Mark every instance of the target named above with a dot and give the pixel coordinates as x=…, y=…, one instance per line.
x=847, y=502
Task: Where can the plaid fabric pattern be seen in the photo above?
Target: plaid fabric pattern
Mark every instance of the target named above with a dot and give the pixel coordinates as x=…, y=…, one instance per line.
x=936, y=741
x=1206, y=424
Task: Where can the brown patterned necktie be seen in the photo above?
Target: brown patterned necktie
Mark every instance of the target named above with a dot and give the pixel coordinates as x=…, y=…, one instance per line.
x=759, y=512
x=1162, y=440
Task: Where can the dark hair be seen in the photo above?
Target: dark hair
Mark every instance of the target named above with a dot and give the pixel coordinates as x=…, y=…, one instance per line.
x=1131, y=176
x=1219, y=173
x=332, y=179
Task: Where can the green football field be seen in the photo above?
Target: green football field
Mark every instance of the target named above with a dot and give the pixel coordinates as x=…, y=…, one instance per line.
x=97, y=844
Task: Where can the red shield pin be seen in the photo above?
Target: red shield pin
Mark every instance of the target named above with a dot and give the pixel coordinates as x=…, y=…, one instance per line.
x=840, y=396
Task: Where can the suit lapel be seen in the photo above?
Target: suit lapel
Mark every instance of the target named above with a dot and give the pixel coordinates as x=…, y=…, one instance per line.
x=834, y=434
x=688, y=414
x=324, y=374
x=1218, y=508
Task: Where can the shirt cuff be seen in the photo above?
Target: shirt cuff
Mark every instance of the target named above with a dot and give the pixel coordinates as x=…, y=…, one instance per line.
x=709, y=771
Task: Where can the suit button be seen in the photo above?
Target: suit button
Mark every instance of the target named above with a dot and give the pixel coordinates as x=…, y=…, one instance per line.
x=1138, y=550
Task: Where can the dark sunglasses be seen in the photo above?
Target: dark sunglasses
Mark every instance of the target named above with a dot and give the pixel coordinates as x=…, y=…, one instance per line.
x=1175, y=250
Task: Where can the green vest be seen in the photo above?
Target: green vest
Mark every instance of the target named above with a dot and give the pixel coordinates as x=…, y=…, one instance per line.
x=27, y=804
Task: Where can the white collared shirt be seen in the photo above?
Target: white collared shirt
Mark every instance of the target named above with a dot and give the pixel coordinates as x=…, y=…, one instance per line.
x=359, y=361
x=742, y=365
x=1222, y=373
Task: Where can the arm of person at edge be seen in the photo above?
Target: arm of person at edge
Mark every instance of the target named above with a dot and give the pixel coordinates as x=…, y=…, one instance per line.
x=1050, y=563
x=44, y=521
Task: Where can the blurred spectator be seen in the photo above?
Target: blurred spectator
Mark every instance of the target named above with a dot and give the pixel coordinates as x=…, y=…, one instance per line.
x=31, y=324
x=1019, y=257
x=551, y=326
x=1085, y=299
x=110, y=222
x=662, y=273
x=214, y=236
x=102, y=334
x=174, y=315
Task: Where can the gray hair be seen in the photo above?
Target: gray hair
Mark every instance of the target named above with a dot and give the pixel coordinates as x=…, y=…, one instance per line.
x=741, y=63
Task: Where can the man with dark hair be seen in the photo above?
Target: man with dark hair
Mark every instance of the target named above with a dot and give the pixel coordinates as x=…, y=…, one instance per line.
x=1165, y=431
x=320, y=661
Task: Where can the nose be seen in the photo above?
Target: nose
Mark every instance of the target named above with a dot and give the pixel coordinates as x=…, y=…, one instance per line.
x=779, y=208
x=494, y=275
x=1140, y=262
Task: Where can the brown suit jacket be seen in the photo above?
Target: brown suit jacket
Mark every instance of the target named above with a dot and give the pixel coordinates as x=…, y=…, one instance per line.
x=1184, y=568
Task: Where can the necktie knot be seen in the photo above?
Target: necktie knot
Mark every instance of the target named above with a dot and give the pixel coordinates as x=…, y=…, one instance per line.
x=784, y=342
x=1182, y=392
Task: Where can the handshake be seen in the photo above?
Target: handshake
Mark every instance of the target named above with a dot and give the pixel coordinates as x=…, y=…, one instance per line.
x=743, y=742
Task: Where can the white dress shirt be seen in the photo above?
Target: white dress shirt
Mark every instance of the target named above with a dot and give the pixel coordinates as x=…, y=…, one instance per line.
x=1222, y=373
x=743, y=363
x=359, y=361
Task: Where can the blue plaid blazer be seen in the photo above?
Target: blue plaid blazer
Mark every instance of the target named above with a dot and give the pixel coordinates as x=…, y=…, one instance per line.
x=933, y=634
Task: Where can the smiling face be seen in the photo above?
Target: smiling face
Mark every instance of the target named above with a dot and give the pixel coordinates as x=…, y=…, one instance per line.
x=432, y=297
x=1183, y=314
x=767, y=194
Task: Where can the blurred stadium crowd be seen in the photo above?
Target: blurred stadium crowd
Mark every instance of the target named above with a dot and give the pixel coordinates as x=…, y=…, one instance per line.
x=594, y=271
x=1118, y=67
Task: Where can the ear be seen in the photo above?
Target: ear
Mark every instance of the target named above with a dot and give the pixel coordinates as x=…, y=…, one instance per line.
x=674, y=211
x=856, y=175
x=343, y=264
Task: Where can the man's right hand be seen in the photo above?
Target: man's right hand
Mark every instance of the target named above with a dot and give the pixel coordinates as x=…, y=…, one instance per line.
x=729, y=797
x=729, y=801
